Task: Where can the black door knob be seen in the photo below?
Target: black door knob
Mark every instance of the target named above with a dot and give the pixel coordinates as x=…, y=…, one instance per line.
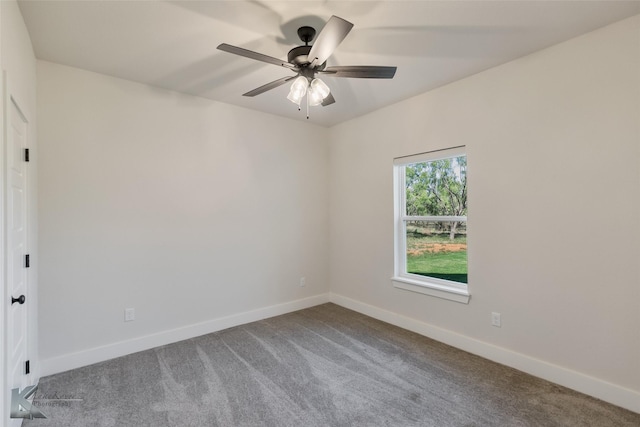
x=19, y=300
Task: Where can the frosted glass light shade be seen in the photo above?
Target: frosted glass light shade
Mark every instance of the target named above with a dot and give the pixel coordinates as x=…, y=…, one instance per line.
x=318, y=91
x=298, y=90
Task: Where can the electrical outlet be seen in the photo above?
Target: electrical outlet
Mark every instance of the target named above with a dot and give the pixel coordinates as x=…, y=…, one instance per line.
x=496, y=319
x=303, y=281
x=129, y=314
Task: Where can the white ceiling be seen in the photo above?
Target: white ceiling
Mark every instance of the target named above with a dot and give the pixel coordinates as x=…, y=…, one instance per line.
x=173, y=44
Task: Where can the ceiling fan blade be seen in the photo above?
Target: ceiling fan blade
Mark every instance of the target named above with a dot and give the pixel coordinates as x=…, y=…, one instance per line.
x=332, y=34
x=360, y=71
x=255, y=55
x=328, y=100
x=274, y=84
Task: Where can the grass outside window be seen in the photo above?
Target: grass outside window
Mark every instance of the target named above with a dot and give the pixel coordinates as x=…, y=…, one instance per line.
x=435, y=254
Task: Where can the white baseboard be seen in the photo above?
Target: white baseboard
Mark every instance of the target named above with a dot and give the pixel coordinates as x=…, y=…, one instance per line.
x=612, y=393
x=99, y=354
x=600, y=389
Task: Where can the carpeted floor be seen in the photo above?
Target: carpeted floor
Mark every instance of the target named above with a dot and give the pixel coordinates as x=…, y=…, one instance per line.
x=323, y=366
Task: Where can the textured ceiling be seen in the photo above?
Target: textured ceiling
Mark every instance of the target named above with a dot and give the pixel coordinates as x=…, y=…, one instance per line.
x=173, y=44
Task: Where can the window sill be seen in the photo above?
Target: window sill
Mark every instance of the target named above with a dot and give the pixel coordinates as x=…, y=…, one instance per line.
x=432, y=289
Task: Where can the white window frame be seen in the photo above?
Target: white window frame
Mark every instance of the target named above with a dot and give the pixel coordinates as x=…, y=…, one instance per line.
x=433, y=286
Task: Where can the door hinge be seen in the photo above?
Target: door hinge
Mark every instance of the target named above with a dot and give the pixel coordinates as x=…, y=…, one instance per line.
x=27, y=261
x=26, y=154
x=27, y=368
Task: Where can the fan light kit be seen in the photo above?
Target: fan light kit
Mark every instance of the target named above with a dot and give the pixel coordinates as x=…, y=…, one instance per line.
x=307, y=61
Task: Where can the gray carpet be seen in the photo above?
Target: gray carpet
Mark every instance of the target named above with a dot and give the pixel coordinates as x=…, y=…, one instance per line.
x=323, y=366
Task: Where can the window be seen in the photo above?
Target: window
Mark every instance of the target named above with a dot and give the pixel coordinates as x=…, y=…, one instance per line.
x=431, y=224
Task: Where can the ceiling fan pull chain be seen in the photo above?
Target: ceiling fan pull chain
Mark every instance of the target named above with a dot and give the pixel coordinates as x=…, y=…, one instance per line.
x=307, y=105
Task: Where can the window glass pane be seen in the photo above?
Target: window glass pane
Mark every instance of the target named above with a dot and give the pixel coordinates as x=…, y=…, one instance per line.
x=437, y=188
x=437, y=249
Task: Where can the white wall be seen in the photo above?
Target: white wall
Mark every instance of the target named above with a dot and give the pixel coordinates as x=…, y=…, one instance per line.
x=186, y=209
x=18, y=61
x=18, y=58
x=553, y=143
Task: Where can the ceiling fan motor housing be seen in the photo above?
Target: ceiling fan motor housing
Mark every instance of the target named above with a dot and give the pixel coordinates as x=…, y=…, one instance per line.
x=300, y=56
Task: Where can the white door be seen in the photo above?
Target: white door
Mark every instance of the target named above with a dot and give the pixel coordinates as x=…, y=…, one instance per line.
x=16, y=249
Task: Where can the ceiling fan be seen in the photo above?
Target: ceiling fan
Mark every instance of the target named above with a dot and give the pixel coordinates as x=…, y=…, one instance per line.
x=307, y=61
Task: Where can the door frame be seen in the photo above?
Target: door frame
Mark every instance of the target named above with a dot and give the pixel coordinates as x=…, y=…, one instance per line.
x=4, y=396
